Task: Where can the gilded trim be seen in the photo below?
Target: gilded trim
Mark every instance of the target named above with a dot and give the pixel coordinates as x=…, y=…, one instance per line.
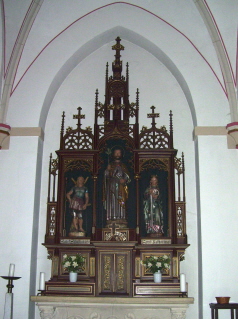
x=92, y=266
x=137, y=267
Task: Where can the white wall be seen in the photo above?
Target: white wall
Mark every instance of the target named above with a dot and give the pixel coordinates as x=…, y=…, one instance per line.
x=18, y=179
x=219, y=220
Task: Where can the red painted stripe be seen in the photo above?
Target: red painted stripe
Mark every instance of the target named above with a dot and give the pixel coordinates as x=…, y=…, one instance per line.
x=133, y=5
x=5, y=125
x=223, y=44
x=232, y=124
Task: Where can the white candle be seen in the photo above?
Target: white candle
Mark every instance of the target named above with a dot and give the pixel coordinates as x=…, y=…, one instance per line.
x=11, y=270
x=182, y=283
x=42, y=281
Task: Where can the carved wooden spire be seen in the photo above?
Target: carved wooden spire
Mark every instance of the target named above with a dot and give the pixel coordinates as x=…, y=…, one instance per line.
x=62, y=130
x=96, y=108
x=117, y=64
x=171, y=129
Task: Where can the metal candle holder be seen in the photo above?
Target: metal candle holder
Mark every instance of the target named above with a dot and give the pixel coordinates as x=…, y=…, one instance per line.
x=183, y=294
x=41, y=293
x=10, y=282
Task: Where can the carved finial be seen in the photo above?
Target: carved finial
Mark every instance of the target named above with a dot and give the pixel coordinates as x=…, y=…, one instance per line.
x=118, y=47
x=49, y=178
x=96, y=108
x=153, y=115
x=79, y=116
x=62, y=132
x=171, y=121
x=171, y=129
x=107, y=72
x=183, y=167
x=137, y=98
x=50, y=163
x=62, y=123
x=117, y=64
x=96, y=98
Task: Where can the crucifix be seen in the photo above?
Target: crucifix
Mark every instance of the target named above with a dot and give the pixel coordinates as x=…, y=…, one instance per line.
x=118, y=48
x=153, y=115
x=79, y=116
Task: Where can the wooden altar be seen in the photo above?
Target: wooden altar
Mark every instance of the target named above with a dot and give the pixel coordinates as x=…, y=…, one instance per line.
x=114, y=247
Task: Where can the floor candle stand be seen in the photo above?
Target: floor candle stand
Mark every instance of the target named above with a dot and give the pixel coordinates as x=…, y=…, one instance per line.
x=10, y=282
x=8, y=308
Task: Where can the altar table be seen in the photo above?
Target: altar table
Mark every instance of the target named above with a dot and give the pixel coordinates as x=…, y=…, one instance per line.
x=61, y=307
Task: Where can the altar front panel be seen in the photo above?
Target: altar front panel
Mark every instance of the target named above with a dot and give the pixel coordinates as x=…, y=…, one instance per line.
x=110, y=307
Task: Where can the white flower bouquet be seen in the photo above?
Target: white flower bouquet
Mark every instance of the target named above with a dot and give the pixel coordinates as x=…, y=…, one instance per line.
x=73, y=263
x=156, y=263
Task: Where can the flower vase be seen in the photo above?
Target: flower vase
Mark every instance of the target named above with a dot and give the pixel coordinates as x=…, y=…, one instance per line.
x=157, y=276
x=73, y=276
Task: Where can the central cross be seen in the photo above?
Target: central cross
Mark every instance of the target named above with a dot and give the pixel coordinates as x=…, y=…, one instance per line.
x=79, y=116
x=153, y=115
x=118, y=47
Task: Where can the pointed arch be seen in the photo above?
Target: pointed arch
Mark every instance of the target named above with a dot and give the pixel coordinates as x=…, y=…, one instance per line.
x=97, y=42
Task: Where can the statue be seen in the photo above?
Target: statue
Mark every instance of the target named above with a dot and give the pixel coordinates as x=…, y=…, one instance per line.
x=153, y=212
x=116, y=178
x=78, y=199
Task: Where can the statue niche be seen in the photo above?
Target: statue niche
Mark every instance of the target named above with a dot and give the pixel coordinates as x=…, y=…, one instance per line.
x=115, y=189
x=120, y=196
x=78, y=198
x=118, y=187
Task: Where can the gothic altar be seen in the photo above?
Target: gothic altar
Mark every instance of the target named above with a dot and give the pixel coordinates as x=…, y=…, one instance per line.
x=116, y=195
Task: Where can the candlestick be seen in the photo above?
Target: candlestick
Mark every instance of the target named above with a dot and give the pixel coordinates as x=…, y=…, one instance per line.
x=42, y=281
x=11, y=270
x=8, y=307
x=10, y=282
x=182, y=283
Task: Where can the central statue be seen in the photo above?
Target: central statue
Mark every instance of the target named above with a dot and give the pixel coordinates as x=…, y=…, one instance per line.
x=116, y=178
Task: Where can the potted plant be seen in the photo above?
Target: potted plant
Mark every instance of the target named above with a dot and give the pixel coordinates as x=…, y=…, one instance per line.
x=73, y=264
x=157, y=264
